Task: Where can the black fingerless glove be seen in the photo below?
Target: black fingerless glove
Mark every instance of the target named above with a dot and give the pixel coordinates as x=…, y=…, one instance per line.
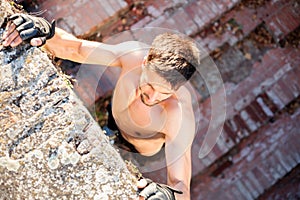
x=33, y=27
x=155, y=191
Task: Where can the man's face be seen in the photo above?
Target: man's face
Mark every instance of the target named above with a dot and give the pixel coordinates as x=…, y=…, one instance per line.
x=153, y=88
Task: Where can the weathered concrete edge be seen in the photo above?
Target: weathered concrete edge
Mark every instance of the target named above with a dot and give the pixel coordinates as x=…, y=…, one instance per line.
x=91, y=150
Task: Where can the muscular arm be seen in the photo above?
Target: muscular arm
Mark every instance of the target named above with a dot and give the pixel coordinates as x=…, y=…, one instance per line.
x=63, y=44
x=67, y=46
x=178, y=146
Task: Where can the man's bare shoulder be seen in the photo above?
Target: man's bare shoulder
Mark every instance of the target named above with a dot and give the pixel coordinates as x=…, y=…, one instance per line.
x=130, y=47
x=182, y=98
x=132, y=53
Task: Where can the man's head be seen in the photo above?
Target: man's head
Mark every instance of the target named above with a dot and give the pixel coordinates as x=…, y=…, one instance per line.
x=174, y=58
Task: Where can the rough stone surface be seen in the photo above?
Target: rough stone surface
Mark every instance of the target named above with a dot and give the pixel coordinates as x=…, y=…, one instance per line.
x=50, y=146
x=255, y=44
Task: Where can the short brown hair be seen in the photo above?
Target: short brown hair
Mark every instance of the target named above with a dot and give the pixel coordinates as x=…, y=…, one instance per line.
x=174, y=58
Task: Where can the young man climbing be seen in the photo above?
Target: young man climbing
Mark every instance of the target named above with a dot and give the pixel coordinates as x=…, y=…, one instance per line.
x=151, y=106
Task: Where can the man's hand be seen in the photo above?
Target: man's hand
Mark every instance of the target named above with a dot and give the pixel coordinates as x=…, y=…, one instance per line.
x=150, y=190
x=23, y=27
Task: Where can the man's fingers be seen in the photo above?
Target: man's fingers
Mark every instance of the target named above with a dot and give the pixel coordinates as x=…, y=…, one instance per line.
x=10, y=27
x=157, y=196
x=10, y=38
x=17, y=19
x=149, y=190
x=29, y=33
x=140, y=198
x=36, y=42
x=24, y=26
x=16, y=42
x=142, y=183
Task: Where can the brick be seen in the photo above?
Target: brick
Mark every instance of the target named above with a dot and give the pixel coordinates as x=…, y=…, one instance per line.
x=275, y=162
x=267, y=173
x=226, y=140
x=204, y=13
x=217, y=151
x=278, y=154
x=122, y=3
x=272, y=167
x=207, y=161
x=291, y=80
x=226, y=4
x=250, y=187
x=262, y=176
x=275, y=98
x=197, y=164
x=211, y=156
x=222, y=144
x=252, y=126
x=115, y=4
x=284, y=21
x=242, y=126
x=72, y=25
x=56, y=11
x=231, y=129
x=157, y=22
x=292, y=157
x=258, y=111
x=254, y=181
x=286, y=94
x=154, y=12
x=215, y=8
x=119, y=38
x=107, y=7
x=269, y=103
x=94, y=17
x=192, y=11
x=184, y=23
x=286, y=67
x=160, y=6
x=243, y=190
x=141, y=23
x=244, y=99
x=271, y=147
x=288, y=159
x=244, y=18
x=78, y=4
x=235, y=191
x=169, y=23
x=98, y=9
x=55, y=5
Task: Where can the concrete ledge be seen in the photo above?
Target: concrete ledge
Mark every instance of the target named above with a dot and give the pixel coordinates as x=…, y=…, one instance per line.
x=50, y=146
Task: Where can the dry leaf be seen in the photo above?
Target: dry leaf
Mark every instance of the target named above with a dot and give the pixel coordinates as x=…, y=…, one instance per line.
x=248, y=56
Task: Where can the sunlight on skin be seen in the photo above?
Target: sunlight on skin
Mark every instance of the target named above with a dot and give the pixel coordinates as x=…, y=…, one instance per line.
x=153, y=88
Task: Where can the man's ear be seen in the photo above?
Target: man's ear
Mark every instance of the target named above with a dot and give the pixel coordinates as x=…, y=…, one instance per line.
x=145, y=60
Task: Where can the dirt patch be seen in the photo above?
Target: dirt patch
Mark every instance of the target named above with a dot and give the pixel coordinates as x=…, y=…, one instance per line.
x=262, y=37
x=253, y=3
x=100, y=113
x=292, y=39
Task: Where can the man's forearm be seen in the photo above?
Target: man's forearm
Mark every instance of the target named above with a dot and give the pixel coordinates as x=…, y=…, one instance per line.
x=64, y=45
x=180, y=181
x=179, y=174
x=184, y=188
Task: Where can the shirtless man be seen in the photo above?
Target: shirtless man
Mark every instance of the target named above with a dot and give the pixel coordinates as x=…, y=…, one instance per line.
x=150, y=105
